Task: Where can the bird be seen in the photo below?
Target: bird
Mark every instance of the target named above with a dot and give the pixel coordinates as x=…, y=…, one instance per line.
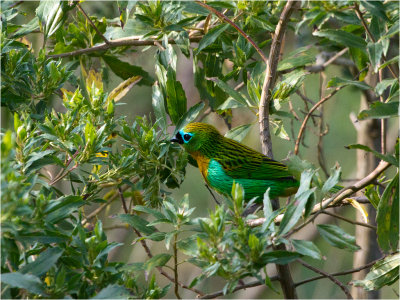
x=223, y=161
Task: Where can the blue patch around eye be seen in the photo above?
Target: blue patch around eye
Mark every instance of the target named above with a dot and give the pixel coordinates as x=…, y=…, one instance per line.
x=186, y=136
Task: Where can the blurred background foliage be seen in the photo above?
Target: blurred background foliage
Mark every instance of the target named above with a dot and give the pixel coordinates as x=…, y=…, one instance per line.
x=91, y=94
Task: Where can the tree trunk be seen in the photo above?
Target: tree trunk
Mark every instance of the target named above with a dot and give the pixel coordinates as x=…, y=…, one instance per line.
x=368, y=133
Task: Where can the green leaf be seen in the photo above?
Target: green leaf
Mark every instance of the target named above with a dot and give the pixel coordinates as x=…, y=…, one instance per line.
x=137, y=223
x=342, y=37
x=176, y=98
x=337, y=237
x=189, y=116
x=27, y=28
x=125, y=70
x=210, y=37
x=383, y=85
x=295, y=209
x=149, y=210
x=388, y=223
x=230, y=91
x=230, y=103
x=158, y=260
x=159, y=106
x=62, y=208
x=103, y=253
x=31, y=283
x=376, y=8
x=43, y=262
x=280, y=257
x=375, y=51
x=295, y=62
x=386, y=157
x=188, y=245
x=379, y=110
x=307, y=248
x=113, y=291
x=336, y=81
x=238, y=133
x=384, y=272
x=332, y=180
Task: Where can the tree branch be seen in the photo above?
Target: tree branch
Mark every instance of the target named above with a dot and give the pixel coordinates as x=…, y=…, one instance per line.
x=303, y=125
x=91, y=23
x=348, y=220
x=130, y=41
x=340, y=273
x=241, y=287
x=333, y=279
x=227, y=20
x=270, y=78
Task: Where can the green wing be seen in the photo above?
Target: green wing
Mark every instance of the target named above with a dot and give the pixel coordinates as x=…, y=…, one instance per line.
x=240, y=161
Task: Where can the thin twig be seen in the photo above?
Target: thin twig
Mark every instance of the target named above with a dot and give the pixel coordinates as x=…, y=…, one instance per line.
x=340, y=273
x=371, y=37
x=321, y=66
x=227, y=20
x=327, y=275
x=148, y=252
x=303, y=125
x=348, y=220
x=176, y=267
x=59, y=176
x=241, y=287
x=93, y=25
x=383, y=121
x=270, y=78
x=129, y=41
x=121, y=196
x=321, y=132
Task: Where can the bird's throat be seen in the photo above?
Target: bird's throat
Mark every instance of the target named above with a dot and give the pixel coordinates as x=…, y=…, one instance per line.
x=202, y=162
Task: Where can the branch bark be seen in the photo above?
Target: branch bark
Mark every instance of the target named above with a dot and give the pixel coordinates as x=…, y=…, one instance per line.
x=130, y=41
x=241, y=287
x=285, y=276
x=270, y=78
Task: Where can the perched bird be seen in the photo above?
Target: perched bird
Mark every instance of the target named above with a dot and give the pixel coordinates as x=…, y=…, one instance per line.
x=222, y=161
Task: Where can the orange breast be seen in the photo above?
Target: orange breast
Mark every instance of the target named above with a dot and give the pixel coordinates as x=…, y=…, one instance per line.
x=202, y=162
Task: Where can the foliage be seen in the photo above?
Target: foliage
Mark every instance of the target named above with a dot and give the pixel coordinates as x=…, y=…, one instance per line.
x=53, y=248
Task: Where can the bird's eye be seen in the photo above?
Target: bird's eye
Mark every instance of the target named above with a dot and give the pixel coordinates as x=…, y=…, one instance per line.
x=187, y=137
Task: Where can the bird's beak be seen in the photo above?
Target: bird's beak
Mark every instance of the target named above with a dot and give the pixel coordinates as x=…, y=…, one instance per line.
x=177, y=138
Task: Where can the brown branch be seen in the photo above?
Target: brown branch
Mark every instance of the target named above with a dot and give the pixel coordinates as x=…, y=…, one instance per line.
x=340, y=273
x=321, y=66
x=91, y=23
x=227, y=20
x=348, y=220
x=303, y=125
x=176, y=268
x=270, y=78
x=130, y=41
x=327, y=275
x=241, y=287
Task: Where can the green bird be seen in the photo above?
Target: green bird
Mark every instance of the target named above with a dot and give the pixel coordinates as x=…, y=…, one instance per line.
x=223, y=161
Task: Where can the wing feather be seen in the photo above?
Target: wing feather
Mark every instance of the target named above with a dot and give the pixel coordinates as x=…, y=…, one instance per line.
x=240, y=161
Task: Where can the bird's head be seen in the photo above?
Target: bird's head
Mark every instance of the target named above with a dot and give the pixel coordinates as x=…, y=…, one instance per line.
x=196, y=136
